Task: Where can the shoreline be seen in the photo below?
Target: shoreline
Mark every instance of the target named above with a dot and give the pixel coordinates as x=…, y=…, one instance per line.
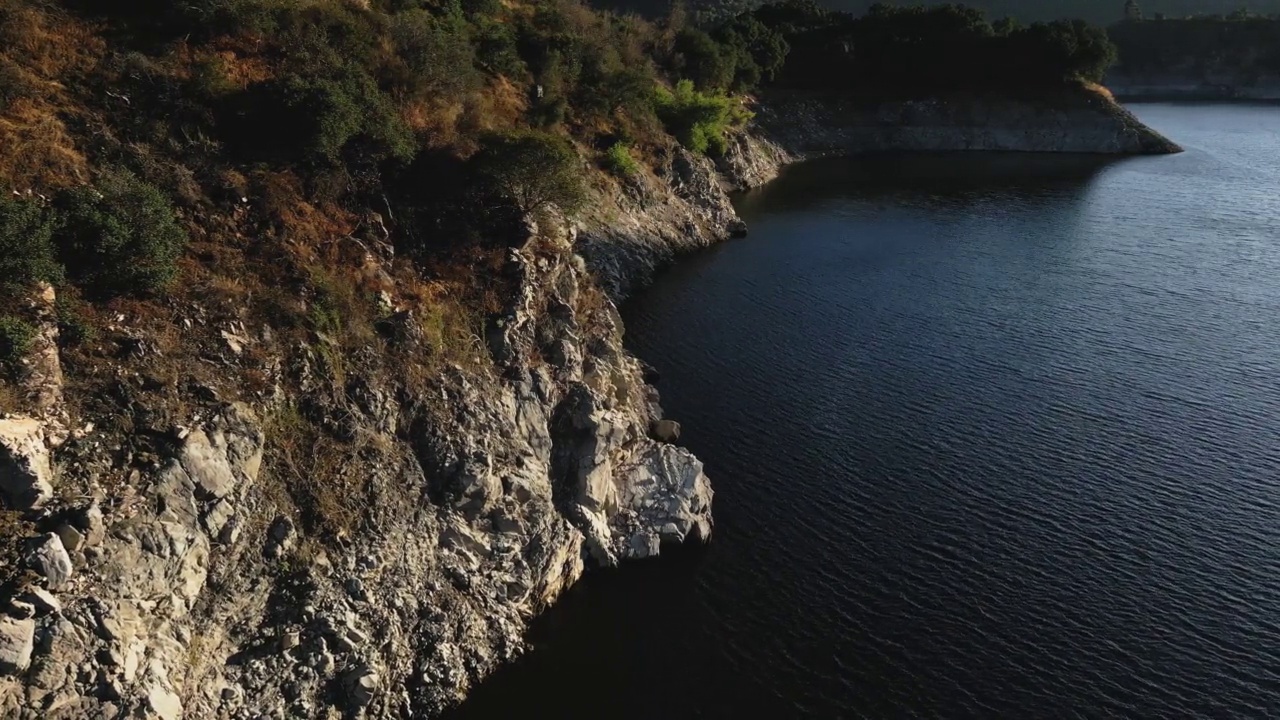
x=482, y=502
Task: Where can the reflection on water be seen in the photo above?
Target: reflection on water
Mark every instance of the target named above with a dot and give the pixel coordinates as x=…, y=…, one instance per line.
x=941, y=175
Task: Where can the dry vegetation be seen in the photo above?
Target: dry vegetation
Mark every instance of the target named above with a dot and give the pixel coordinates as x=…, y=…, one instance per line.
x=279, y=200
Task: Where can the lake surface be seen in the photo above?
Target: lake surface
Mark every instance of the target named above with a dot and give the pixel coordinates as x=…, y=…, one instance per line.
x=992, y=436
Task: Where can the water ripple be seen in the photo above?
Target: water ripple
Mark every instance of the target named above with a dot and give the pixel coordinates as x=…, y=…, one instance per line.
x=988, y=448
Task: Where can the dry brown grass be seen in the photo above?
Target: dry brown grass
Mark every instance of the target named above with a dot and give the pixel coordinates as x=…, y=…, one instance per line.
x=9, y=399
x=36, y=150
x=1102, y=90
x=502, y=105
x=46, y=42
x=280, y=198
x=234, y=62
x=313, y=472
x=48, y=50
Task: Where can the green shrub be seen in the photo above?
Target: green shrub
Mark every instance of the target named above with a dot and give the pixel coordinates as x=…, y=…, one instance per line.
x=16, y=339
x=331, y=112
x=26, y=250
x=496, y=48
x=118, y=238
x=698, y=120
x=618, y=160
x=318, y=121
x=531, y=170
x=437, y=56
x=704, y=61
x=73, y=325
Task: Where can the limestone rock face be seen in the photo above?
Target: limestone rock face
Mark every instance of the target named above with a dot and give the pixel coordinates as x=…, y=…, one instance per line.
x=682, y=207
x=26, y=478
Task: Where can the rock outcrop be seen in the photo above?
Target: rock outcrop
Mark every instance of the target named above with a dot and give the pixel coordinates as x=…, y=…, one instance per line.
x=193, y=597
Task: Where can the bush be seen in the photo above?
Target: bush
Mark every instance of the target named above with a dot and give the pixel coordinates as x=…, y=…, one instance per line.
x=74, y=326
x=618, y=160
x=698, y=120
x=704, y=61
x=119, y=238
x=318, y=120
x=497, y=50
x=26, y=249
x=438, y=60
x=531, y=170
x=16, y=339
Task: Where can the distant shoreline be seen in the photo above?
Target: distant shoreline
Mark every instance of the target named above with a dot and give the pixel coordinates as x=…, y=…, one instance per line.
x=1192, y=98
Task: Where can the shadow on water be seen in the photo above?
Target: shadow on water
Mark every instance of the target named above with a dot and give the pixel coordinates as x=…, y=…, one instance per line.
x=947, y=177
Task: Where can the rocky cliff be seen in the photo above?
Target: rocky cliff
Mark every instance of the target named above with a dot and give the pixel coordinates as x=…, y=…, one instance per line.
x=173, y=565
x=169, y=578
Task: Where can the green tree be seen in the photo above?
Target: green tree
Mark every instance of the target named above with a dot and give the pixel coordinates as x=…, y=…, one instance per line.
x=702, y=60
x=531, y=170
x=698, y=120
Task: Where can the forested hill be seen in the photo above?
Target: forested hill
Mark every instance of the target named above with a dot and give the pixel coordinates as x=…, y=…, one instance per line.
x=1102, y=12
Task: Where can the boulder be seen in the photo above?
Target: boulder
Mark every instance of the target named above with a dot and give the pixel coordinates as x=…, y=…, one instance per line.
x=667, y=431
x=49, y=558
x=91, y=524
x=207, y=465
x=26, y=476
x=17, y=640
x=281, y=537
x=164, y=703
x=72, y=539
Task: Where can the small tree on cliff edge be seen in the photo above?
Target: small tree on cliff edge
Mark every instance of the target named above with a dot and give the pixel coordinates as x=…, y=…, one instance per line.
x=531, y=170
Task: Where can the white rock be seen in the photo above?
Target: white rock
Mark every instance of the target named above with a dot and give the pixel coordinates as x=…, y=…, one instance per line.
x=72, y=539
x=207, y=465
x=50, y=559
x=164, y=703
x=26, y=475
x=667, y=431
x=17, y=640
x=362, y=683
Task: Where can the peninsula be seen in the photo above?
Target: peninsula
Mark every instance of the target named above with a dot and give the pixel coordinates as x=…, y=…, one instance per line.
x=314, y=390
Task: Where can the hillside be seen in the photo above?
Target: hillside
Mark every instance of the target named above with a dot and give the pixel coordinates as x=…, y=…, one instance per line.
x=1103, y=12
x=1199, y=57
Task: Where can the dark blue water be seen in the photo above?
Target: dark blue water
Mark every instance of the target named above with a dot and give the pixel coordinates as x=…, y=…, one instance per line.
x=991, y=437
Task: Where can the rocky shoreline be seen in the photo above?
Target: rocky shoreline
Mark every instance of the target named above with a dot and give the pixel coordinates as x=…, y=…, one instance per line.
x=177, y=592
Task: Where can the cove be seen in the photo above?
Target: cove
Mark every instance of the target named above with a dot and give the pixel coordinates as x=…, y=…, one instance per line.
x=992, y=436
